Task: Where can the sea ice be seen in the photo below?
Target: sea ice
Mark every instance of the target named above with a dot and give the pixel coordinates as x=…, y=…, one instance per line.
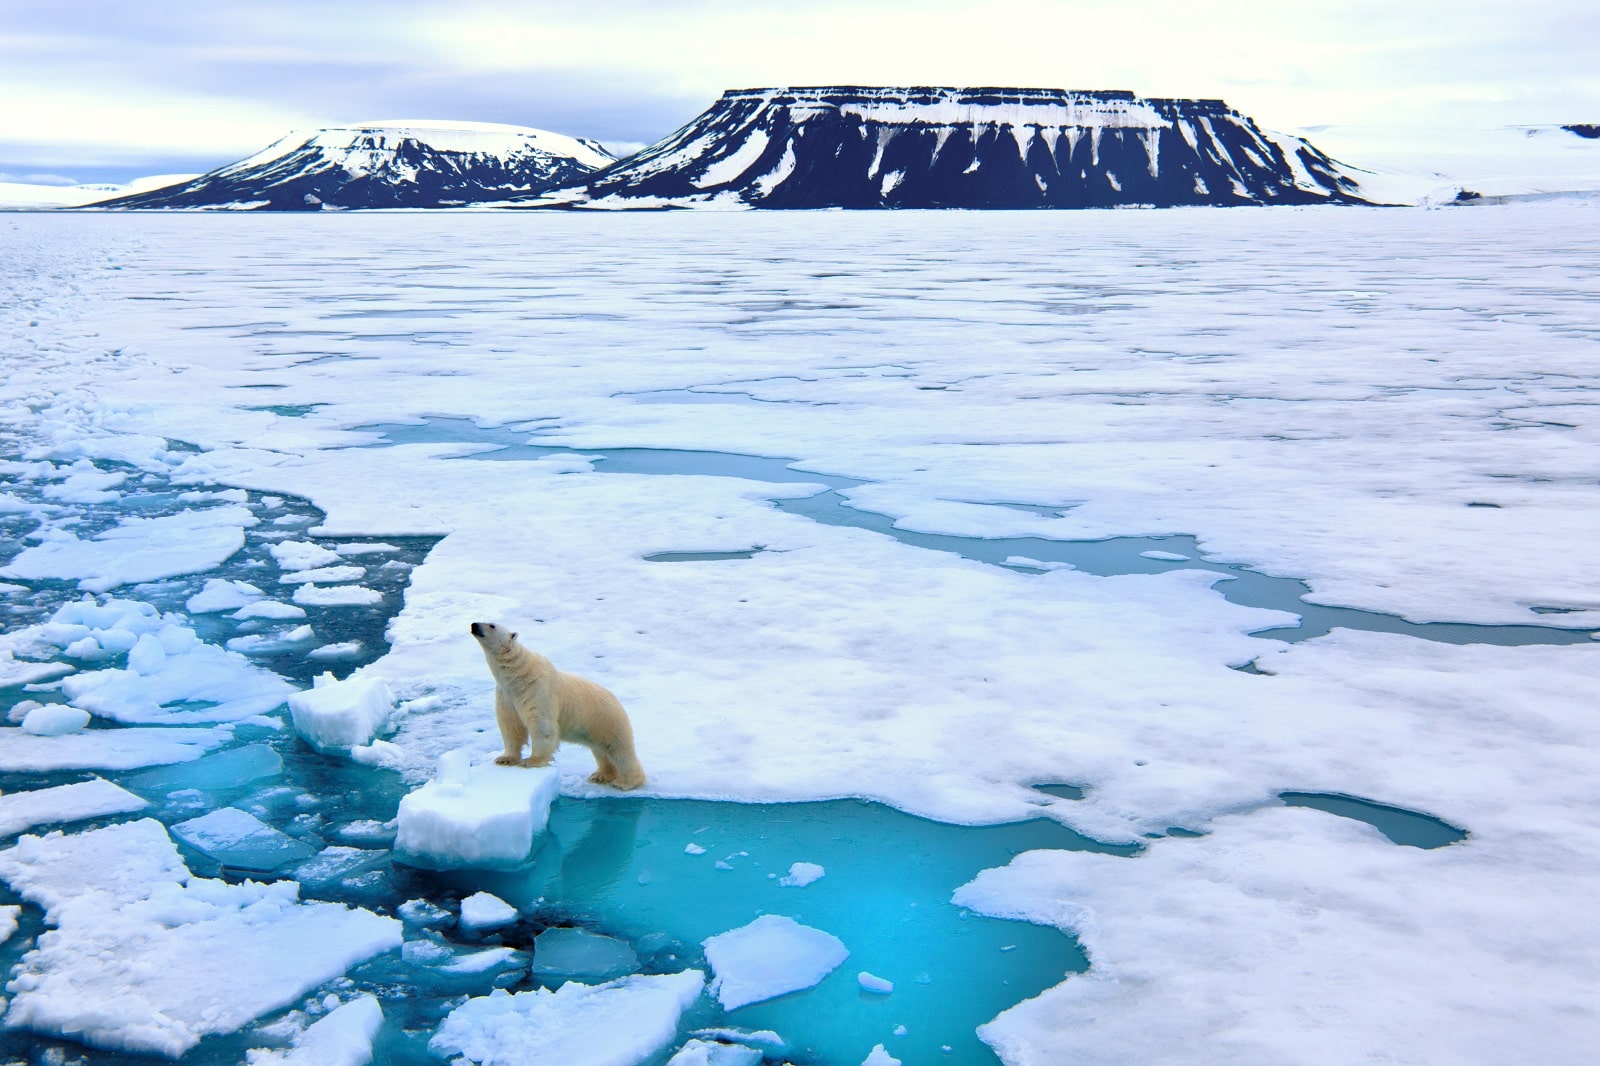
x=145, y=957
x=334, y=714
x=314, y=595
x=421, y=912
x=324, y=573
x=699, y=1052
x=483, y=911
x=272, y=609
x=564, y=952
x=771, y=956
x=240, y=840
x=137, y=549
x=801, y=874
x=873, y=983
x=220, y=594
x=54, y=720
x=879, y=1056
x=302, y=555
x=106, y=749
x=475, y=815
x=197, y=682
x=64, y=803
x=335, y=863
x=9, y=914
x=342, y=1037
x=222, y=770
x=619, y=1023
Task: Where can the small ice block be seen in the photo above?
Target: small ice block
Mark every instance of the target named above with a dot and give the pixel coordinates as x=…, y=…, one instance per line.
x=559, y=952
x=483, y=911
x=341, y=714
x=240, y=840
x=484, y=815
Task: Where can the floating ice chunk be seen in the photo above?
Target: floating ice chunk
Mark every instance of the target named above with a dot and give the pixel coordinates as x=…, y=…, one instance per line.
x=771, y=956
x=336, y=863
x=54, y=720
x=302, y=555
x=763, y=1037
x=64, y=803
x=221, y=594
x=340, y=715
x=580, y=953
x=1170, y=557
x=692, y=848
x=880, y=1057
x=105, y=749
x=342, y=1038
x=137, y=550
x=802, y=874
x=313, y=595
x=205, y=682
x=267, y=643
x=225, y=769
x=421, y=912
x=147, y=958
x=699, y=1052
x=476, y=815
x=325, y=573
x=873, y=983
x=346, y=650
x=8, y=921
x=241, y=840
x=483, y=911
x=374, y=548
x=619, y=1023
x=273, y=609
x=379, y=753
x=367, y=831
x=15, y=672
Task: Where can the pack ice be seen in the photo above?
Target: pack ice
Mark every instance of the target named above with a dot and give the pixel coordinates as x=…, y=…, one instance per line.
x=145, y=957
x=338, y=715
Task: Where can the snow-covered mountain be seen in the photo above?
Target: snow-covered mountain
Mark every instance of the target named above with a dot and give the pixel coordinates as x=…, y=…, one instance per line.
x=33, y=196
x=387, y=164
x=858, y=147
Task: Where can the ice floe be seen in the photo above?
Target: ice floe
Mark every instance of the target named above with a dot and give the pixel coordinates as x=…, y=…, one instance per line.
x=64, y=803
x=146, y=958
x=340, y=715
x=475, y=815
x=483, y=911
x=771, y=956
x=342, y=1037
x=619, y=1023
x=137, y=549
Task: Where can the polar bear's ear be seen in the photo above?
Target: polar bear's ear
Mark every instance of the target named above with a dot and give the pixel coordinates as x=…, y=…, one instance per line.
x=513, y=636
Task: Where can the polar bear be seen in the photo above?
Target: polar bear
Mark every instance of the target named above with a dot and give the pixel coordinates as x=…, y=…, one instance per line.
x=538, y=705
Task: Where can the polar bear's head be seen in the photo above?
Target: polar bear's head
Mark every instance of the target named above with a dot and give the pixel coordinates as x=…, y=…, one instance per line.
x=493, y=638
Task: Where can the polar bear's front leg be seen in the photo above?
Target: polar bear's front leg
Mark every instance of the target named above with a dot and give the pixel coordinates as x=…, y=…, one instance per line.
x=512, y=733
x=542, y=724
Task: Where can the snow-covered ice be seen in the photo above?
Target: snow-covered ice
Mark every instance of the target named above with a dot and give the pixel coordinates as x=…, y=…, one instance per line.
x=343, y=1037
x=699, y=1052
x=54, y=720
x=619, y=1023
x=147, y=958
x=801, y=874
x=772, y=956
x=106, y=749
x=483, y=911
x=138, y=549
x=64, y=803
x=346, y=714
x=874, y=983
x=240, y=840
x=476, y=815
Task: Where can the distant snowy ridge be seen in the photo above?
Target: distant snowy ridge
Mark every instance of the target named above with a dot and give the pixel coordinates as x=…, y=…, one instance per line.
x=861, y=147
x=402, y=163
x=33, y=196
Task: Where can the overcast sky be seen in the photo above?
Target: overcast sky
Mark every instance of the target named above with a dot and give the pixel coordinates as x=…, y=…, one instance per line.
x=99, y=90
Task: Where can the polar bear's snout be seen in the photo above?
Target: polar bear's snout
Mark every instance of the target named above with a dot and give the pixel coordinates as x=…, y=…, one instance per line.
x=477, y=630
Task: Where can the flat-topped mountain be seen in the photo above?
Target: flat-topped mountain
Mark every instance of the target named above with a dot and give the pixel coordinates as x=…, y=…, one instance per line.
x=387, y=164
x=857, y=147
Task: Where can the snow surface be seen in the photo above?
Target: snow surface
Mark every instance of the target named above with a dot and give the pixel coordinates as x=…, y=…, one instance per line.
x=771, y=956
x=1394, y=405
x=619, y=1023
x=64, y=803
x=146, y=958
x=476, y=815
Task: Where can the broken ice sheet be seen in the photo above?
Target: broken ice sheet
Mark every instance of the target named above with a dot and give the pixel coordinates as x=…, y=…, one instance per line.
x=64, y=803
x=147, y=958
x=211, y=773
x=769, y=957
x=242, y=841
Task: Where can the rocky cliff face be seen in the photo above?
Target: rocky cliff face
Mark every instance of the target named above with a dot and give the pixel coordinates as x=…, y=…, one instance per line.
x=387, y=165
x=860, y=147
